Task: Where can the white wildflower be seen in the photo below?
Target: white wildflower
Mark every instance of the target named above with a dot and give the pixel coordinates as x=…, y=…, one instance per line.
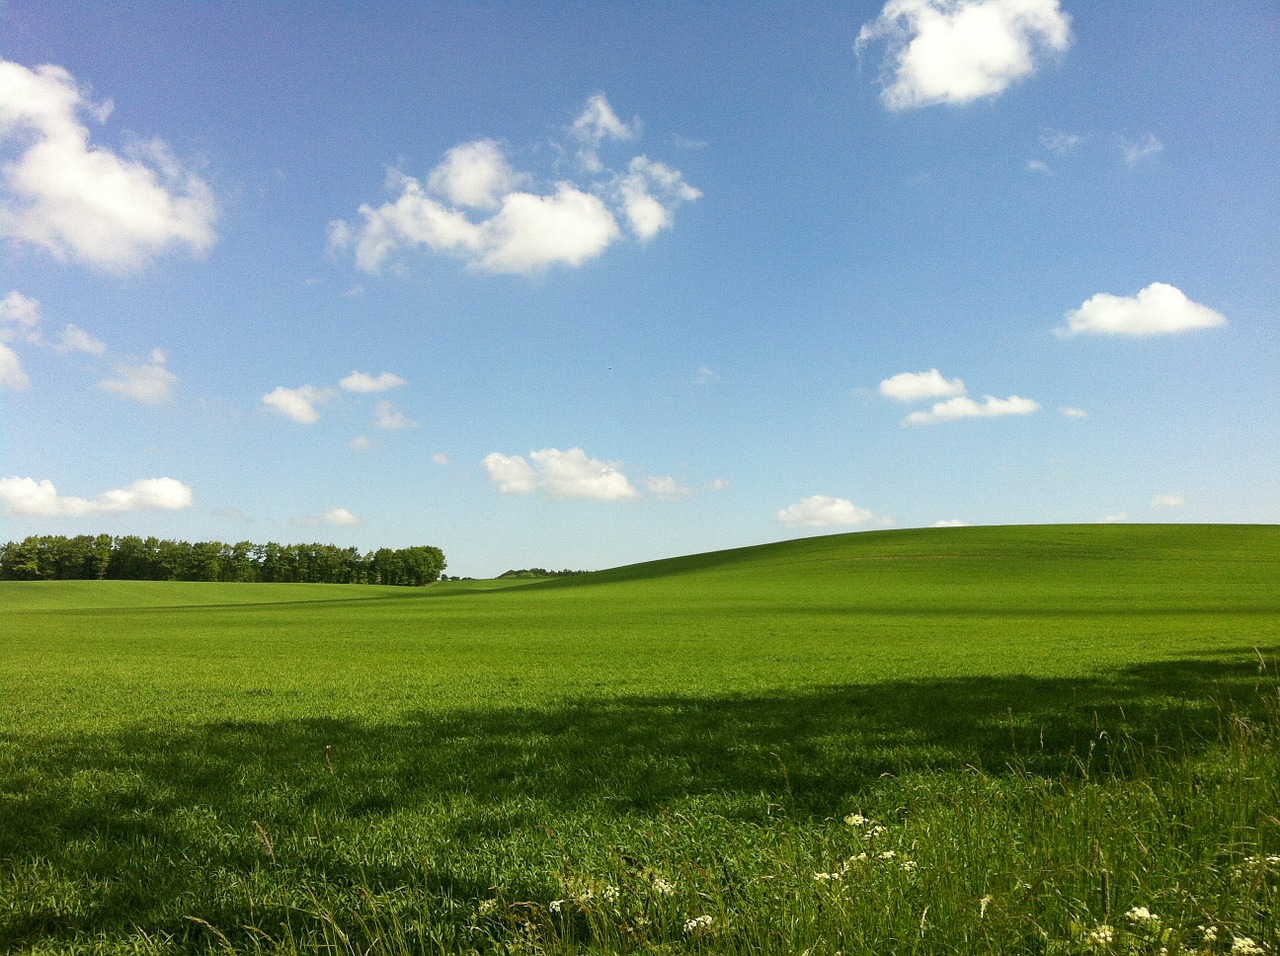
x=887, y=854
x=609, y=894
x=1210, y=933
x=1140, y=914
x=555, y=905
x=699, y=924
x=487, y=907
x=908, y=866
x=1244, y=946
x=1102, y=935
x=827, y=877
x=856, y=820
x=663, y=887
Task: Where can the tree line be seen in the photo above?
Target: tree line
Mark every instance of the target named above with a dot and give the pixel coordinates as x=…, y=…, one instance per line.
x=131, y=558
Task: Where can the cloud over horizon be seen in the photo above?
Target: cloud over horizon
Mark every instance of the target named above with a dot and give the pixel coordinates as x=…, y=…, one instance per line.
x=26, y=496
x=85, y=202
x=1159, y=309
x=559, y=474
x=914, y=386
x=955, y=409
x=822, y=511
x=956, y=51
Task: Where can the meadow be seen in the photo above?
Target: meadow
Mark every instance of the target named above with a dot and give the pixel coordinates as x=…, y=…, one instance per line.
x=981, y=740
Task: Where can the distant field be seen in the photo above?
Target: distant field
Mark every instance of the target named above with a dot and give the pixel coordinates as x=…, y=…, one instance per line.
x=282, y=767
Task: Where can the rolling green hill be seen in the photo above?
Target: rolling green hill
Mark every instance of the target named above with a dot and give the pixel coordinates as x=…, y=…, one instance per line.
x=451, y=760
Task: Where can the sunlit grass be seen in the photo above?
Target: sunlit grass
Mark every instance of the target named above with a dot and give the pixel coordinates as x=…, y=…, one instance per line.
x=1043, y=731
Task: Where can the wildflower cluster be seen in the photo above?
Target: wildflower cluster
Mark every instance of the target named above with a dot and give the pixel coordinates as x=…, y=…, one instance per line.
x=1143, y=932
x=869, y=831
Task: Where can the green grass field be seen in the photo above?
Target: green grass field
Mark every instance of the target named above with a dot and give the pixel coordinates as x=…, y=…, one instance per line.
x=1046, y=729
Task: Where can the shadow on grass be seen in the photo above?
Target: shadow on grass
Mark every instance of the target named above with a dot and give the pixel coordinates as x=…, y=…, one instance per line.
x=118, y=812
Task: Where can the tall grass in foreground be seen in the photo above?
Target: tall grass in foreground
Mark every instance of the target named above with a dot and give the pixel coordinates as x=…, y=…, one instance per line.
x=1129, y=848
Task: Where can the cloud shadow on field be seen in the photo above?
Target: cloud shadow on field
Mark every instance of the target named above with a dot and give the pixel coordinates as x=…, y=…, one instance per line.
x=134, y=799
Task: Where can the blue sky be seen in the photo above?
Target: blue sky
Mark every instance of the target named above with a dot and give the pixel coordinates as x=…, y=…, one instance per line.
x=566, y=286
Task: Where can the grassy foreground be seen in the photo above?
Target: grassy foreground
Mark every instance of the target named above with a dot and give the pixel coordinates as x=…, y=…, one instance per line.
x=980, y=740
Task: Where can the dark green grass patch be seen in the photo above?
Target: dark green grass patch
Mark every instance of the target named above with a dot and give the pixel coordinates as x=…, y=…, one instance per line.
x=1052, y=726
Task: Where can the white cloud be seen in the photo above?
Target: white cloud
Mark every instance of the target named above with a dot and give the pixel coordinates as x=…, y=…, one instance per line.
x=668, y=489
x=530, y=233
x=649, y=194
x=365, y=383
x=1038, y=166
x=476, y=206
x=1070, y=412
x=720, y=484
x=12, y=375
x=527, y=234
x=147, y=382
x=511, y=473
x=75, y=339
x=86, y=202
x=958, y=51
x=559, y=474
x=361, y=443
x=949, y=523
x=599, y=122
x=819, y=511
x=440, y=458
x=19, y=318
x=341, y=516
x=1119, y=518
x=915, y=386
x=298, y=404
x=26, y=496
x=1056, y=141
x=475, y=175
x=1135, y=153
x=384, y=416
x=1168, y=501
x=954, y=409
x=1159, y=309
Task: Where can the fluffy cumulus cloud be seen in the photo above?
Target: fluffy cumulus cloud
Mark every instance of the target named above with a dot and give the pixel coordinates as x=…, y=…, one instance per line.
x=822, y=511
x=475, y=176
x=82, y=201
x=958, y=51
x=12, y=375
x=362, y=382
x=19, y=322
x=922, y=386
x=26, y=496
x=955, y=409
x=385, y=416
x=917, y=386
x=150, y=382
x=1159, y=309
x=476, y=206
x=75, y=339
x=298, y=404
x=666, y=488
x=649, y=194
x=1168, y=501
x=341, y=517
x=559, y=474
